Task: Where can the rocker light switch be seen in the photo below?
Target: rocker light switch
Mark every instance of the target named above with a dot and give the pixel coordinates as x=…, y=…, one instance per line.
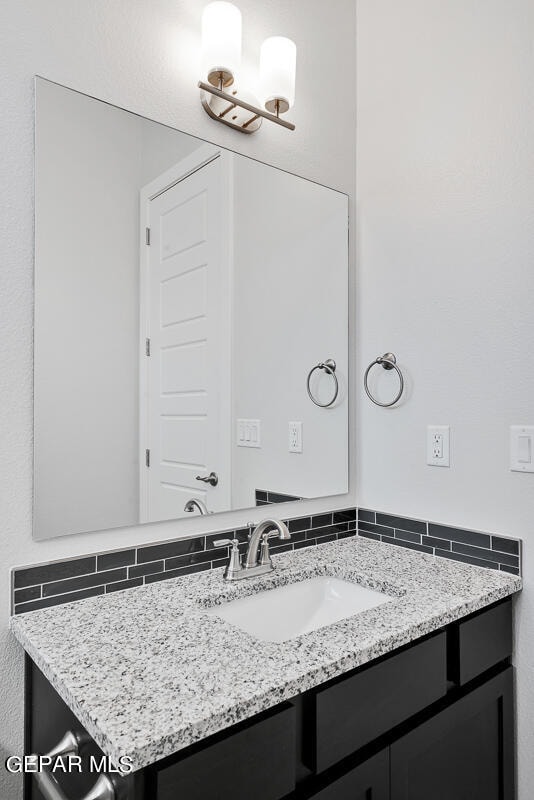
x=521, y=448
x=524, y=449
x=248, y=433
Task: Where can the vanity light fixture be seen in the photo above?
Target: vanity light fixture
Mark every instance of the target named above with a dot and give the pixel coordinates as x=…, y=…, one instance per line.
x=221, y=59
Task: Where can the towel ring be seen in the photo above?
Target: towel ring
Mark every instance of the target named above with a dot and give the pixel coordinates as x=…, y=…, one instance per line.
x=329, y=367
x=387, y=361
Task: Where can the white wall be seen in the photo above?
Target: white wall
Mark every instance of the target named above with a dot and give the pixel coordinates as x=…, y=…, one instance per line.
x=92, y=160
x=143, y=56
x=289, y=312
x=445, y=253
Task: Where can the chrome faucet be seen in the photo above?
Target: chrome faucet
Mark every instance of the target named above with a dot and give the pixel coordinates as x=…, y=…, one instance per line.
x=192, y=504
x=263, y=532
x=258, y=542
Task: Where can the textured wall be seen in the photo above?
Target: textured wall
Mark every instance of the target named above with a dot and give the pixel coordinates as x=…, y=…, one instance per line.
x=445, y=209
x=142, y=55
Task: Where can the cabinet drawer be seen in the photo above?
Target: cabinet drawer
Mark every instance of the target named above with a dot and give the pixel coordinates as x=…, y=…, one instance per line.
x=255, y=761
x=479, y=642
x=368, y=781
x=356, y=710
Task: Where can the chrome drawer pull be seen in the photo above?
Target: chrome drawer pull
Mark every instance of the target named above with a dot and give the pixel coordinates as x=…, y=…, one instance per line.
x=50, y=788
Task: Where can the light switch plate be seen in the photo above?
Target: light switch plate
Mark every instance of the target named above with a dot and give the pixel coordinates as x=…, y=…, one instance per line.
x=295, y=437
x=248, y=433
x=522, y=448
x=438, y=446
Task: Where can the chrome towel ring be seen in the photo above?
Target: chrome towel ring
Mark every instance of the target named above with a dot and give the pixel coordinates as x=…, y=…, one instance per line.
x=387, y=361
x=329, y=366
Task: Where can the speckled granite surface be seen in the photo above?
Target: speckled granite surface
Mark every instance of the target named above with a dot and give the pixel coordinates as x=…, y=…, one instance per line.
x=148, y=672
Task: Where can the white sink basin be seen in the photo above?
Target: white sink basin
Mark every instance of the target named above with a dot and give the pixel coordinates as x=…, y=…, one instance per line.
x=280, y=614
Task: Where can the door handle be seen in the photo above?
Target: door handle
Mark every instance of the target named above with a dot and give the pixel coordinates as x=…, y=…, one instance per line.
x=212, y=478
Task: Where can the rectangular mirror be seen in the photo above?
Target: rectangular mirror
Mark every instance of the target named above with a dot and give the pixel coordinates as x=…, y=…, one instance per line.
x=183, y=295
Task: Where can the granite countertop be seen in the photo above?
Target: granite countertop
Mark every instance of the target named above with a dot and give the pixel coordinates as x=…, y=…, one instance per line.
x=148, y=672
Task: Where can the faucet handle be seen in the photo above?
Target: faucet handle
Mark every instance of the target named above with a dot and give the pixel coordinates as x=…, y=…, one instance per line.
x=250, y=526
x=272, y=534
x=234, y=565
x=226, y=542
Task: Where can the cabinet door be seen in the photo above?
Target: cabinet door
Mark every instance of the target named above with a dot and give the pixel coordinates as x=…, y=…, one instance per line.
x=369, y=781
x=463, y=753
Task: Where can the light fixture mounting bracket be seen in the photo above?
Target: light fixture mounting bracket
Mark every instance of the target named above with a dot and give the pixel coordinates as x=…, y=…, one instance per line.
x=234, y=111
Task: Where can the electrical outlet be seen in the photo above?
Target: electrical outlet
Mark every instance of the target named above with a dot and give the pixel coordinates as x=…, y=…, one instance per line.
x=438, y=445
x=295, y=437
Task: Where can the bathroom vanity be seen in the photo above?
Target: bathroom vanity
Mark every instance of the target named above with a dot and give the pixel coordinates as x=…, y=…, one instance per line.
x=408, y=700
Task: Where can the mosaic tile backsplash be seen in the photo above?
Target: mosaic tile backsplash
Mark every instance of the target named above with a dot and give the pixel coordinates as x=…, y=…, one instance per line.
x=472, y=547
x=59, y=582
x=265, y=497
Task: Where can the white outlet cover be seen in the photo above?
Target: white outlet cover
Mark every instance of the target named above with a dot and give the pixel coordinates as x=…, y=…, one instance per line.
x=442, y=431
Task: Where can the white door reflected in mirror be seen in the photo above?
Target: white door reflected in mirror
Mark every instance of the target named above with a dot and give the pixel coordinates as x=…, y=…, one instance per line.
x=185, y=291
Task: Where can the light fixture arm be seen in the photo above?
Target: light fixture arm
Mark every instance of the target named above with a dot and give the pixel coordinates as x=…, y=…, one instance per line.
x=233, y=100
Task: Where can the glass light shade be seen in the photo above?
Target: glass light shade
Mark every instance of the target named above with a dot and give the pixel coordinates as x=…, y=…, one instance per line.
x=278, y=64
x=221, y=42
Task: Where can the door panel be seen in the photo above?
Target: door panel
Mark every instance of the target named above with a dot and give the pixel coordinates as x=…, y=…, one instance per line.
x=184, y=368
x=185, y=436
x=187, y=394
x=183, y=225
x=184, y=297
